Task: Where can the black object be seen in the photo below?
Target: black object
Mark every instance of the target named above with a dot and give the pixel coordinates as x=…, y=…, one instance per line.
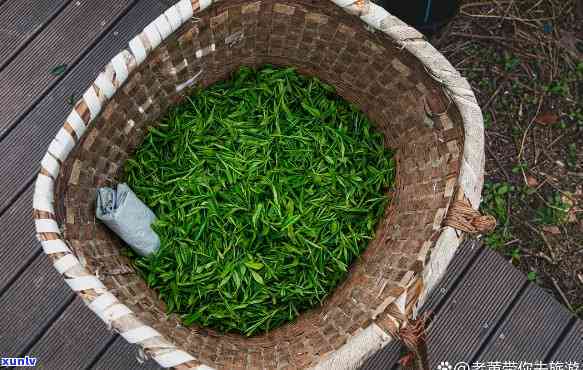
x=428, y=16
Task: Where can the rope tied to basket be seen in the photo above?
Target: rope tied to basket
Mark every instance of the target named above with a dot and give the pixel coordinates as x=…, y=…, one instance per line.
x=462, y=216
x=413, y=338
x=411, y=333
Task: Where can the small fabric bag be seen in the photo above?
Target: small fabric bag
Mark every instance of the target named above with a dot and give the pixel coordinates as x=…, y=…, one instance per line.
x=127, y=216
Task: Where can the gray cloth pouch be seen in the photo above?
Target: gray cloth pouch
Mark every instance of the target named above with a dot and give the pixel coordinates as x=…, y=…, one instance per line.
x=127, y=216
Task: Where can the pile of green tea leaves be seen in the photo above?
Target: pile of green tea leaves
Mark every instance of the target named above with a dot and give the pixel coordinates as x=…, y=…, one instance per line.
x=266, y=187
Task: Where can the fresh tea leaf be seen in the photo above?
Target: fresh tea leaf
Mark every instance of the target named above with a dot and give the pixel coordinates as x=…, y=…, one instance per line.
x=266, y=187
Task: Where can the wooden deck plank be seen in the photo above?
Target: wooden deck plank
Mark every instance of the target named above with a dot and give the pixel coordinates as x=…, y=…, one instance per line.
x=530, y=330
x=73, y=341
x=18, y=244
x=384, y=358
x=33, y=302
x=464, y=258
x=64, y=41
x=570, y=349
x=121, y=356
x=472, y=310
x=21, y=20
x=28, y=142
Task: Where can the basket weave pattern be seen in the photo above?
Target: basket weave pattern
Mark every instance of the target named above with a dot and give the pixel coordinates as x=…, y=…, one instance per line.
x=318, y=38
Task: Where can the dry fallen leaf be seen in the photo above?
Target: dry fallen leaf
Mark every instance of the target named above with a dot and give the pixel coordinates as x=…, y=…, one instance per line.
x=568, y=199
x=531, y=181
x=552, y=230
x=571, y=202
x=547, y=118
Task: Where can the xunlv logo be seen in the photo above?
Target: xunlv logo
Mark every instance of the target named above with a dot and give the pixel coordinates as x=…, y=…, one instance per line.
x=18, y=361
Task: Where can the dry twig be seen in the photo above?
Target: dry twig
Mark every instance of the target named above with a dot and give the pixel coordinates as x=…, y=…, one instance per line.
x=562, y=294
x=521, y=151
x=545, y=240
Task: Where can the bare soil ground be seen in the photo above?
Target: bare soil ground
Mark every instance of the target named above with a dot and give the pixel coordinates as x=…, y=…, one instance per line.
x=524, y=59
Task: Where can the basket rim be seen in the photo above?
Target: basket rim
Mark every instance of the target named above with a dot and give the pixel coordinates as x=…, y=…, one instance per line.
x=96, y=296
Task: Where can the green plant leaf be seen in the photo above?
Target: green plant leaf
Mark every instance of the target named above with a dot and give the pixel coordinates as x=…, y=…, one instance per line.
x=532, y=275
x=59, y=70
x=254, y=265
x=257, y=277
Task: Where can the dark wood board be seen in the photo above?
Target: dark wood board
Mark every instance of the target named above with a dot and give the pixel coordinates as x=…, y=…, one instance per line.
x=64, y=41
x=529, y=331
x=73, y=341
x=384, y=358
x=35, y=300
x=473, y=309
x=121, y=356
x=27, y=143
x=18, y=244
x=570, y=347
x=465, y=256
x=21, y=21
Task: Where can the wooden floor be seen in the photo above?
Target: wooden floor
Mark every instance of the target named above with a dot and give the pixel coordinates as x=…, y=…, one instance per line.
x=485, y=310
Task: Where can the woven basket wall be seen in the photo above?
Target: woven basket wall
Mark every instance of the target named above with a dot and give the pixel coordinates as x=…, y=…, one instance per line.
x=424, y=108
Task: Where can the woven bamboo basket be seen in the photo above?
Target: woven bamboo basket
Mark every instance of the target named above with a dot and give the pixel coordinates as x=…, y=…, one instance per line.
x=426, y=110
